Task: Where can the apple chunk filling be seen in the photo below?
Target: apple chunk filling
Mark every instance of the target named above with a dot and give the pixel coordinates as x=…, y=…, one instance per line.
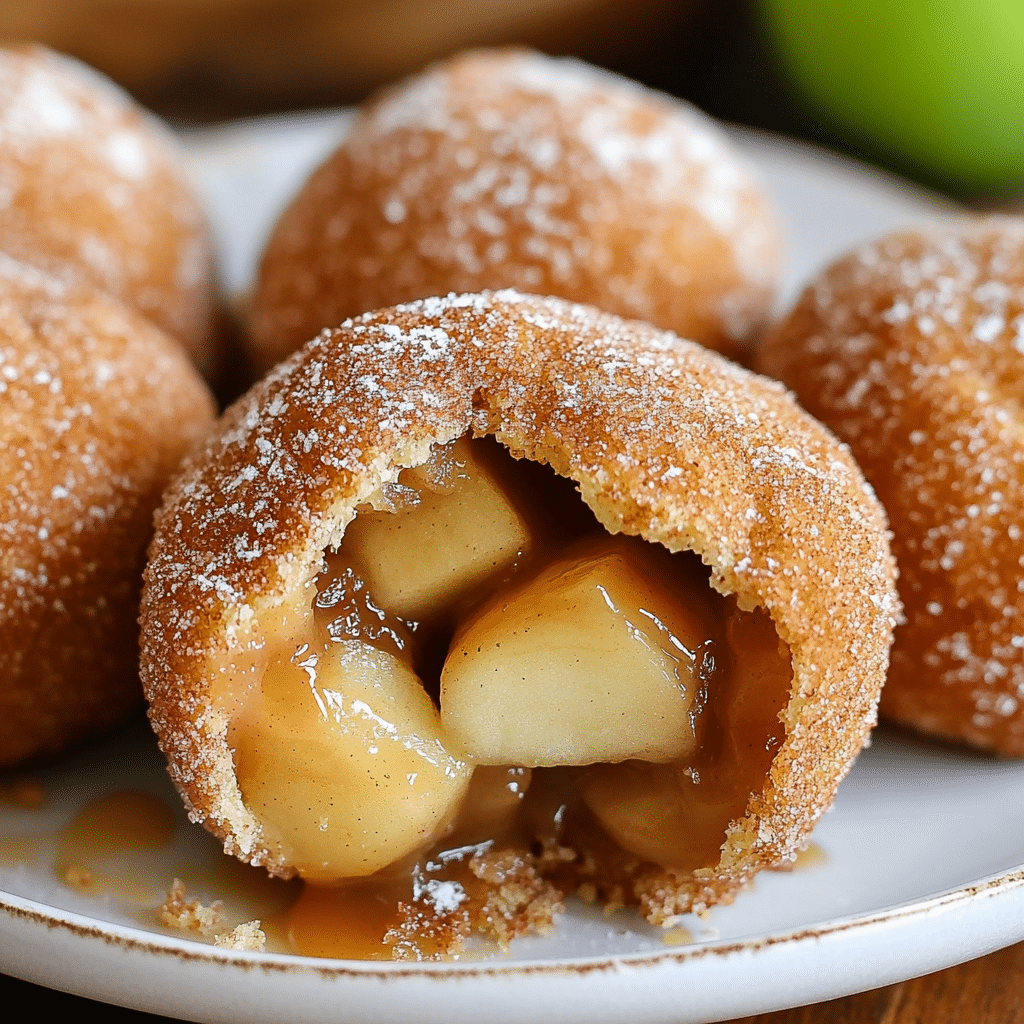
x=672, y=814
x=600, y=657
x=344, y=761
x=454, y=527
x=459, y=648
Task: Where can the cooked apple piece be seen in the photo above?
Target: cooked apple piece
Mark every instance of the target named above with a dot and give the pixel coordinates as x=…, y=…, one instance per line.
x=345, y=610
x=344, y=761
x=660, y=812
x=458, y=528
x=676, y=815
x=598, y=658
x=495, y=798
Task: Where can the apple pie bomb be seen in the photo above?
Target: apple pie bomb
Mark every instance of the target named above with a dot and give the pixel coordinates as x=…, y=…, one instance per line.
x=477, y=601
x=97, y=407
x=511, y=169
x=912, y=350
x=93, y=190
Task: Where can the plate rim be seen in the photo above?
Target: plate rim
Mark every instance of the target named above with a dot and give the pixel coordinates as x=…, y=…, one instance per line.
x=137, y=938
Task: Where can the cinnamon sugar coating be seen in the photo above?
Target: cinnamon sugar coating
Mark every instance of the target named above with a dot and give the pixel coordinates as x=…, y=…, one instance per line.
x=912, y=350
x=511, y=169
x=96, y=409
x=94, y=192
x=664, y=438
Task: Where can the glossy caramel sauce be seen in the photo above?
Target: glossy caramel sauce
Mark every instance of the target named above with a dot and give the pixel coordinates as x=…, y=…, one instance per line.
x=127, y=848
x=811, y=857
x=733, y=673
x=361, y=918
x=91, y=848
x=348, y=922
x=677, y=936
x=118, y=823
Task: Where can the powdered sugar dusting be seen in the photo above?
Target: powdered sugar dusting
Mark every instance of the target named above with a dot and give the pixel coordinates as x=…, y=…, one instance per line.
x=36, y=107
x=513, y=169
x=92, y=190
x=909, y=349
x=96, y=408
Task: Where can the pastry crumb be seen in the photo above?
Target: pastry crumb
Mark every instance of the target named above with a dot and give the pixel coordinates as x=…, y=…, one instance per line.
x=505, y=897
x=425, y=935
x=677, y=936
x=518, y=902
x=248, y=936
x=176, y=912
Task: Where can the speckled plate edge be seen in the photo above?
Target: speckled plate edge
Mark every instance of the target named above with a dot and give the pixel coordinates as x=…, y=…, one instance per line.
x=706, y=982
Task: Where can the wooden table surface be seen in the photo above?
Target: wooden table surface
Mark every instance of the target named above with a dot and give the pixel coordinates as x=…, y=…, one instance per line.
x=985, y=991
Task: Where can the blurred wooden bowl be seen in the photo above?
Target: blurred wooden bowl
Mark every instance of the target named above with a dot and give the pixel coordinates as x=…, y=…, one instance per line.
x=216, y=57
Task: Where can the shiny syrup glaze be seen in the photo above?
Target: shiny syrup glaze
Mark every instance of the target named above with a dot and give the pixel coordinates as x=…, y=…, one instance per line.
x=97, y=849
x=119, y=846
x=125, y=822
x=742, y=673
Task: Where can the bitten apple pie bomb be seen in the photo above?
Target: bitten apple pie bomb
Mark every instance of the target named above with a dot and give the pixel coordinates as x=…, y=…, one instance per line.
x=495, y=534
x=912, y=350
x=511, y=169
x=97, y=406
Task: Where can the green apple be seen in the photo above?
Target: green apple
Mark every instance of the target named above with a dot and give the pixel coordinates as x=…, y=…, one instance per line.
x=936, y=83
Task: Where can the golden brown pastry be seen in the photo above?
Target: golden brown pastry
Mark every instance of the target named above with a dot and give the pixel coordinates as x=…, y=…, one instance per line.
x=511, y=169
x=93, y=191
x=295, y=656
x=912, y=350
x=97, y=407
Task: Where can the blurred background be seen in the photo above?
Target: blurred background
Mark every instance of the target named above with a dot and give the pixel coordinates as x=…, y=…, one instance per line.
x=933, y=89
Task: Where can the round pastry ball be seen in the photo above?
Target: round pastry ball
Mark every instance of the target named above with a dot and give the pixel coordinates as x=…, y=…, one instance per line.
x=93, y=191
x=97, y=407
x=511, y=169
x=664, y=440
x=912, y=351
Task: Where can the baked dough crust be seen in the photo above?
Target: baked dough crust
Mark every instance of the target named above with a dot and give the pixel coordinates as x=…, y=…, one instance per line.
x=664, y=438
x=97, y=407
x=510, y=169
x=912, y=350
x=95, y=193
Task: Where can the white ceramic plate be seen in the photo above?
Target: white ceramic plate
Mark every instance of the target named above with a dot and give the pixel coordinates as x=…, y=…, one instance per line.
x=921, y=861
